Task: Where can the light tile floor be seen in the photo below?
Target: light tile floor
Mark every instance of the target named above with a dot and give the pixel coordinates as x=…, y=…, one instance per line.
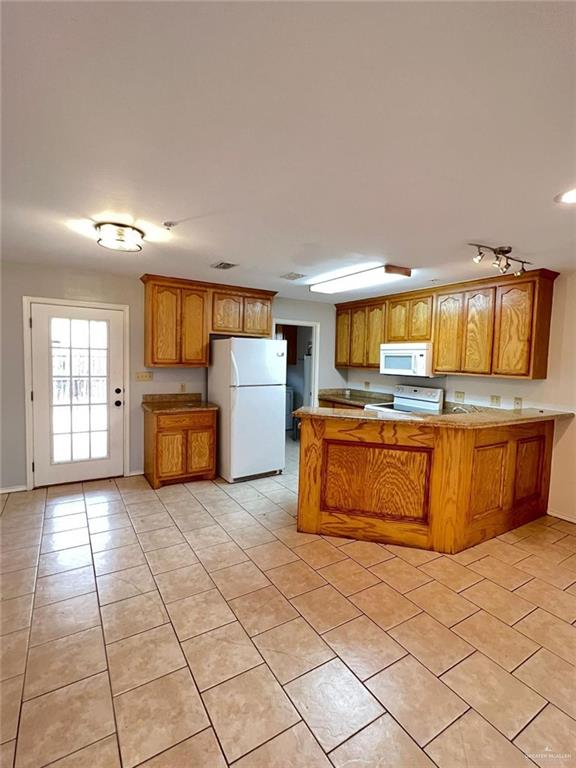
x=194, y=626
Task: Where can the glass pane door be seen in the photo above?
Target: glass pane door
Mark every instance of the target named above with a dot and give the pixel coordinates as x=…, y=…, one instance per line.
x=79, y=389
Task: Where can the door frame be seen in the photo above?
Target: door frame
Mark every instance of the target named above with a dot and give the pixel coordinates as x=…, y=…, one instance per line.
x=315, y=325
x=27, y=302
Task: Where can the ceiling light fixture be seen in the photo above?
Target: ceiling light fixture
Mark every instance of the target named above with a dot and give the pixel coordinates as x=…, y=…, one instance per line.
x=566, y=198
x=367, y=278
x=119, y=237
x=502, y=259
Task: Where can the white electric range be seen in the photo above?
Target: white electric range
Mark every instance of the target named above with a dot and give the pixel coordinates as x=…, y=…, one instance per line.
x=412, y=400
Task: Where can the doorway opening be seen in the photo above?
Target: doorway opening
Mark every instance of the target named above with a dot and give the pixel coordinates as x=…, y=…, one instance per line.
x=302, y=369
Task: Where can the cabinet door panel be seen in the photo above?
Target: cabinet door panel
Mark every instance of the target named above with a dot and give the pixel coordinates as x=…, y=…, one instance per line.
x=448, y=341
x=374, y=334
x=478, y=331
x=200, y=450
x=397, y=328
x=171, y=453
x=342, y=338
x=165, y=308
x=513, y=333
x=357, y=336
x=227, y=313
x=257, y=316
x=194, y=327
x=420, y=319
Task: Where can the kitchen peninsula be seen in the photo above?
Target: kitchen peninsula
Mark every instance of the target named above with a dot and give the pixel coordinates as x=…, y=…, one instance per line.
x=442, y=482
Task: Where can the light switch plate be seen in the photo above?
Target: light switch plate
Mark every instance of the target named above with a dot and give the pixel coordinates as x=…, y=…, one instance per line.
x=144, y=375
x=495, y=401
x=459, y=396
x=517, y=403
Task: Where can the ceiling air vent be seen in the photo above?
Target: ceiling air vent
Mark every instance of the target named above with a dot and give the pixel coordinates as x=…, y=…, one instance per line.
x=292, y=276
x=223, y=265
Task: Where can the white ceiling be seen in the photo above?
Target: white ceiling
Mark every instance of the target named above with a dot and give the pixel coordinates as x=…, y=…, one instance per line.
x=291, y=137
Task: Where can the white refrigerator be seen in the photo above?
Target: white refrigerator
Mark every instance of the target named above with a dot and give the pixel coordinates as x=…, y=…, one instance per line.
x=247, y=380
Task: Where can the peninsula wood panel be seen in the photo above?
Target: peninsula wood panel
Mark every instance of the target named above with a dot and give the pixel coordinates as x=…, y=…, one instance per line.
x=529, y=463
x=374, y=334
x=489, y=466
x=194, y=327
x=164, y=334
x=420, y=319
x=358, y=336
x=478, y=331
x=449, y=329
x=257, y=316
x=481, y=482
x=227, y=313
x=381, y=481
x=342, y=357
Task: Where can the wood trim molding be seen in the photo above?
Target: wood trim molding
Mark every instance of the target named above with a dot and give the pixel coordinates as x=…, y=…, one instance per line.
x=182, y=282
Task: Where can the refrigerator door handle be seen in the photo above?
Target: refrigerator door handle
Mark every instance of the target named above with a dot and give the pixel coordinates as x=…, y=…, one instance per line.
x=235, y=376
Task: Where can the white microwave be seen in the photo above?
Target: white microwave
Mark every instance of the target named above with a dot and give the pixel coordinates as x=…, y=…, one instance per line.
x=410, y=359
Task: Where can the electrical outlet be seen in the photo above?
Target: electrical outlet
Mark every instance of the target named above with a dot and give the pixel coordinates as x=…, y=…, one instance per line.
x=182, y=387
x=495, y=401
x=517, y=403
x=459, y=396
x=144, y=376
x=366, y=385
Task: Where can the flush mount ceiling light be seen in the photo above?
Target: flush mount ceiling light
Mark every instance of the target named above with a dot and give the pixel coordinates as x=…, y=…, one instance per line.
x=119, y=237
x=501, y=259
x=566, y=198
x=386, y=273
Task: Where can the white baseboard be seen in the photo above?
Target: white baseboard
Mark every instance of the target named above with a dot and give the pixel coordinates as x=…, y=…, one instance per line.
x=13, y=489
x=134, y=472
x=562, y=516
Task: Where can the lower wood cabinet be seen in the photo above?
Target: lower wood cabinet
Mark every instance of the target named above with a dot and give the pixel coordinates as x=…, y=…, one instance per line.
x=179, y=446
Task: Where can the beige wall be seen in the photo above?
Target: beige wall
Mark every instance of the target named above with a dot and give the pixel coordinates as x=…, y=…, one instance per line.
x=59, y=283
x=557, y=391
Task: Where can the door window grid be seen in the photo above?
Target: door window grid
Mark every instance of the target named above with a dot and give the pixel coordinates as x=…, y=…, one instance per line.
x=79, y=389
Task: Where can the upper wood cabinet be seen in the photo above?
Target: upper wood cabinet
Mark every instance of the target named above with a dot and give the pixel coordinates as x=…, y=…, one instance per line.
x=513, y=329
x=374, y=334
x=180, y=315
x=409, y=319
x=257, y=316
x=478, y=331
x=357, y=336
x=227, y=313
x=448, y=336
x=491, y=327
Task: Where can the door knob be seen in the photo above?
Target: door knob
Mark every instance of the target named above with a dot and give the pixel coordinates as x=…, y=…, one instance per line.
x=117, y=403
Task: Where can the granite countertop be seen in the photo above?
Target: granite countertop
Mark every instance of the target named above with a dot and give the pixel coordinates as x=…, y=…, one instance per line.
x=176, y=403
x=354, y=396
x=489, y=417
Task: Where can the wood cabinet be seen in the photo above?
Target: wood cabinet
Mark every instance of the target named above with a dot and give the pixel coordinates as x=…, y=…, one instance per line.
x=179, y=446
x=409, y=319
x=491, y=327
x=357, y=336
x=180, y=315
x=513, y=329
x=359, y=333
x=477, y=331
x=448, y=336
x=342, y=357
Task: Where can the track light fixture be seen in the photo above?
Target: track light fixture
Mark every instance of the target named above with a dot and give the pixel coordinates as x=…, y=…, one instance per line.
x=502, y=259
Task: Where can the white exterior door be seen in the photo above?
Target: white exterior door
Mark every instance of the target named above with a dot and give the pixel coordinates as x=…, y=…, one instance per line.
x=78, y=393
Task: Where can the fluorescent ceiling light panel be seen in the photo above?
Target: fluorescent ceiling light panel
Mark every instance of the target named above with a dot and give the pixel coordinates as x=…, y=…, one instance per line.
x=386, y=273
x=567, y=198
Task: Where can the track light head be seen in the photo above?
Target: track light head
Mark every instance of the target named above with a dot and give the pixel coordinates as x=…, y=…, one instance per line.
x=505, y=267
x=521, y=271
x=479, y=256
